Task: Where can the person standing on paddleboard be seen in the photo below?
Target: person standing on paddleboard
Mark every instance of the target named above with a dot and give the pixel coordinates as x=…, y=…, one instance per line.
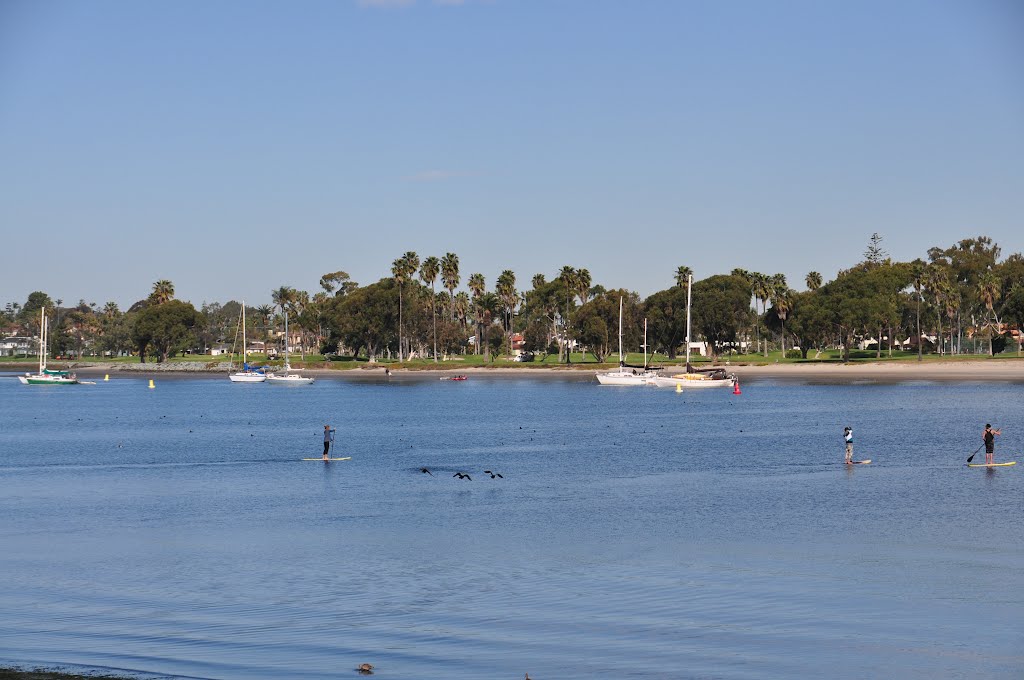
x=848, y=438
x=989, y=437
x=328, y=438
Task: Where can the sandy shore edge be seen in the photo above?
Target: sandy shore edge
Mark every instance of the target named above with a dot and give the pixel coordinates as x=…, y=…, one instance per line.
x=1007, y=370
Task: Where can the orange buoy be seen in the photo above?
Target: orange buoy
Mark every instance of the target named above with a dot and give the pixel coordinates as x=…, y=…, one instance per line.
x=736, y=387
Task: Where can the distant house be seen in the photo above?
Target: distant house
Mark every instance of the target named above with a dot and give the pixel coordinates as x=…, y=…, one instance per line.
x=16, y=345
x=219, y=349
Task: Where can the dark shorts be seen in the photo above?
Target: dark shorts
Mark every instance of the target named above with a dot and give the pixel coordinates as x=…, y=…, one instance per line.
x=990, y=448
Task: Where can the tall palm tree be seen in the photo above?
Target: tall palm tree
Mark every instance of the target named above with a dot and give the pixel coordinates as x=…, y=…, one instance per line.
x=583, y=285
x=476, y=286
x=265, y=312
x=782, y=301
x=402, y=270
x=505, y=288
x=428, y=272
x=989, y=291
x=538, y=281
x=450, y=277
x=461, y=305
x=813, y=280
x=163, y=291
x=568, y=276
x=760, y=289
x=683, y=274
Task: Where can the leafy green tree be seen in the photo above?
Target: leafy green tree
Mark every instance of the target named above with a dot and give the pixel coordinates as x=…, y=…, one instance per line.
x=596, y=323
x=364, y=319
x=164, y=329
x=338, y=283
x=719, y=310
x=810, y=321
x=666, y=319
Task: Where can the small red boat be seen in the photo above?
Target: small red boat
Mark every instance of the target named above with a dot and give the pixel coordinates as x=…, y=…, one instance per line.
x=454, y=377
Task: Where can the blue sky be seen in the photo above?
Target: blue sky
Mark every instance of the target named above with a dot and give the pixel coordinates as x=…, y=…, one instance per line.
x=234, y=147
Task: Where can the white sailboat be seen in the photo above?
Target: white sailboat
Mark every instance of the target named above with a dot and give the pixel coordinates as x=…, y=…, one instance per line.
x=46, y=376
x=714, y=377
x=624, y=376
x=287, y=378
x=247, y=374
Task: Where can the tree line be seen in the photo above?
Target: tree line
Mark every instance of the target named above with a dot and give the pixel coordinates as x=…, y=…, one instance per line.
x=957, y=299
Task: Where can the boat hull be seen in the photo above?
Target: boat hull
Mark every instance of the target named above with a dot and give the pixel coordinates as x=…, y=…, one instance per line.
x=288, y=380
x=47, y=380
x=693, y=381
x=623, y=378
x=247, y=377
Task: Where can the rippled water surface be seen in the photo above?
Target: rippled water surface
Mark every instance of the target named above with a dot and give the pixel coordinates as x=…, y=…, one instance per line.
x=637, y=532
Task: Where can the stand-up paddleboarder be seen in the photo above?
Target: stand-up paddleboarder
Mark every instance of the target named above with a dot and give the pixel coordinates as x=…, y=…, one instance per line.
x=989, y=437
x=328, y=439
x=848, y=438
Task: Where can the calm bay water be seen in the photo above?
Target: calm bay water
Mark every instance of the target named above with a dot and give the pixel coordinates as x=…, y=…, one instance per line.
x=637, y=532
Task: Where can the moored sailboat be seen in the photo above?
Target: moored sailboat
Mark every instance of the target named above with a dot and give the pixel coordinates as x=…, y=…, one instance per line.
x=624, y=375
x=46, y=376
x=287, y=378
x=248, y=374
x=712, y=377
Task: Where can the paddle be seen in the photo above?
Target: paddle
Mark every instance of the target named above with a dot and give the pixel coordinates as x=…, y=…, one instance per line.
x=974, y=454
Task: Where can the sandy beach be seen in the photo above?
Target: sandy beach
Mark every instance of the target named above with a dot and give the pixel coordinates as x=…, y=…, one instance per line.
x=1004, y=370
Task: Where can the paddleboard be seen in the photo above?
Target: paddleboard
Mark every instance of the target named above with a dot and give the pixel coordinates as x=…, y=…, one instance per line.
x=327, y=459
x=1012, y=462
x=860, y=462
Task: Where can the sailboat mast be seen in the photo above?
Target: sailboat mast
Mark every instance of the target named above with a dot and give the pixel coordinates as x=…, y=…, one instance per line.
x=689, y=284
x=645, y=344
x=286, y=364
x=42, y=339
x=620, y=331
x=244, y=357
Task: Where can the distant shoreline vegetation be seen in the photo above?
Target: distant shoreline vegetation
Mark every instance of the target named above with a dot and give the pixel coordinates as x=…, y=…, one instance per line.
x=959, y=300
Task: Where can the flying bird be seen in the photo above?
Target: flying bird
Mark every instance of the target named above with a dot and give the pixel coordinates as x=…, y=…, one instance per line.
x=426, y=472
x=462, y=475
x=493, y=474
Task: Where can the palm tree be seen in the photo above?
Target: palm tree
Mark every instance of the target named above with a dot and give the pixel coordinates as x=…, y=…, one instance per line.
x=476, y=286
x=568, y=276
x=989, y=291
x=450, y=277
x=461, y=305
x=506, y=290
x=583, y=285
x=428, y=272
x=163, y=291
x=403, y=269
x=683, y=274
x=761, y=290
x=813, y=280
x=782, y=302
x=538, y=281
x=265, y=312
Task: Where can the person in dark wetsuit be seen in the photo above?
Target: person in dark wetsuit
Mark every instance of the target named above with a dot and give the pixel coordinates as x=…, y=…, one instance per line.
x=988, y=436
x=328, y=438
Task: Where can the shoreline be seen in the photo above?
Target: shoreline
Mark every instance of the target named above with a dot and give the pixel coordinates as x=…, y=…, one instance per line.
x=965, y=370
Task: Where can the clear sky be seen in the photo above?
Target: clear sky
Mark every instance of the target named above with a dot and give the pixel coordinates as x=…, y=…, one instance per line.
x=234, y=147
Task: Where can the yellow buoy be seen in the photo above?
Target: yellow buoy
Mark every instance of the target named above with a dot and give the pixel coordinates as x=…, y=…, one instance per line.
x=151, y=385
x=106, y=376
x=679, y=387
